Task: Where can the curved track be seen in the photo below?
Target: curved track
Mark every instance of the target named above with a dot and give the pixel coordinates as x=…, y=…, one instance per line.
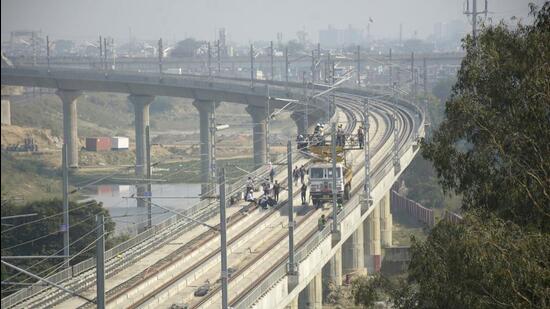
x=380, y=111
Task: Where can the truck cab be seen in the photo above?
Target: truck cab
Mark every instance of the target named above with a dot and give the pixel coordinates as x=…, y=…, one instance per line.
x=320, y=178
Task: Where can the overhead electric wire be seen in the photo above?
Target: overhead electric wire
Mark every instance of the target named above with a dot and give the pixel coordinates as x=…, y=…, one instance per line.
x=88, y=203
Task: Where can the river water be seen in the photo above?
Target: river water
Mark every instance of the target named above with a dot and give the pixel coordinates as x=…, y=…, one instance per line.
x=124, y=210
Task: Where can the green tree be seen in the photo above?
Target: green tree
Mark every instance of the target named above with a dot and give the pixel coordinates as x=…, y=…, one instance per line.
x=483, y=262
x=186, y=48
x=43, y=237
x=493, y=149
x=494, y=146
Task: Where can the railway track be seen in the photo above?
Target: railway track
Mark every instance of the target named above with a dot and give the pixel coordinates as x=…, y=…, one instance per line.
x=350, y=109
x=403, y=140
x=142, y=302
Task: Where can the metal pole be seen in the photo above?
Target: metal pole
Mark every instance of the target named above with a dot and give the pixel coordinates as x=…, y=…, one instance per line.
x=48, y=50
x=367, y=149
x=105, y=53
x=252, y=65
x=219, y=58
x=100, y=262
x=291, y=265
x=319, y=55
x=223, y=240
x=332, y=98
x=412, y=68
x=271, y=56
x=100, y=51
x=149, y=193
x=334, y=191
x=390, y=71
x=306, y=99
x=33, y=38
x=474, y=21
x=209, y=60
x=65, y=227
x=286, y=68
x=113, y=53
x=161, y=55
x=358, y=66
x=268, y=117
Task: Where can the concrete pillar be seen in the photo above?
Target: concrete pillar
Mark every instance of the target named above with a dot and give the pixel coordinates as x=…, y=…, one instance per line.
x=312, y=296
x=300, y=123
x=335, y=267
x=6, y=111
x=386, y=221
x=259, y=137
x=373, y=260
x=206, y=108
x=70, y=127
x=141, y=121
x=293, y=303
x=354, y=255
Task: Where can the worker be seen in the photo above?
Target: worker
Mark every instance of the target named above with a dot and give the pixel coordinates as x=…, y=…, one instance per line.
x=249, y=185
x=304, y=194
x=276, y=190
x=296, y=175
x=360, y=137
x=249, y=196
x=322, y=222
x=302, y=173
x=262, y=201
x=272, y=174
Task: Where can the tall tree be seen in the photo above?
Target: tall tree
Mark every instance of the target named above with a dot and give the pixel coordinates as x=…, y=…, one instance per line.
x=494, y=146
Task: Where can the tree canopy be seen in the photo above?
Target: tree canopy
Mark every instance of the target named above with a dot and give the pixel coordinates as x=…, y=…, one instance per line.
x=494, y=145
x=493, y=148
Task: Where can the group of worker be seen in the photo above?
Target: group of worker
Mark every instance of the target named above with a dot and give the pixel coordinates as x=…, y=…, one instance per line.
x=270, y=188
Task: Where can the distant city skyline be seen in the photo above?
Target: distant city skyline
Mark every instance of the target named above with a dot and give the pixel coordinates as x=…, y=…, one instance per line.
x=245, y=20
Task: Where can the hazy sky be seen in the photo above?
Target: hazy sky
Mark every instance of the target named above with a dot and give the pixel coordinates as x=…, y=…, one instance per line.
x=244, y=19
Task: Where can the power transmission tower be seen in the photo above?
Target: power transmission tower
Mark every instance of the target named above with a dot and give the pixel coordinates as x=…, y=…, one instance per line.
x=474, y=14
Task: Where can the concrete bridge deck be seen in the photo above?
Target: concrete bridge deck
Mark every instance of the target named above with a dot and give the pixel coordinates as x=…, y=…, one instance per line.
x=258, y=285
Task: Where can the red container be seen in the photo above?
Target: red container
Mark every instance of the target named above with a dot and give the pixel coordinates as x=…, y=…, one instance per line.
x=98, y=143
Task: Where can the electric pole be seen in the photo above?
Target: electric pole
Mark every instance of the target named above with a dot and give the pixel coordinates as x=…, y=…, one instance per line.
x=48, y=51
x=412, y=68
x=252, y=65
x=149, y=193
x=105, y=53
x=286, y=68
x=65, y=226
x=219, y=58
x=223, y=240
x=209, y=61
x=33, y=43
x=474, y=13
x=358, y=66
x=334, y=192
x=100, y=51
x=161, y=55
x=271, y=56
x=291, y=223
x=390, y=71
x=368, y=198
x=100, y=262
